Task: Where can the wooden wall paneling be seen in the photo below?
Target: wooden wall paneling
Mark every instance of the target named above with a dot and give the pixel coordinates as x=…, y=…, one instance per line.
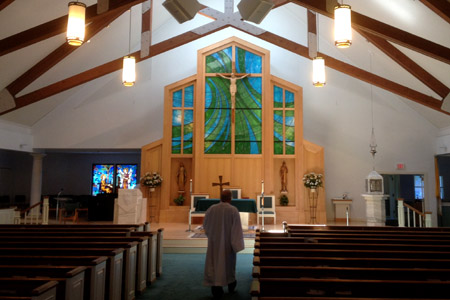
x=213, y=168
x=248, y=175
x=151, y=155
x=314, y=162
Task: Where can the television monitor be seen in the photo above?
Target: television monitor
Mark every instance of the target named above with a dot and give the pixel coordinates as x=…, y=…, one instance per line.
x=102, y=179
x=126, y=176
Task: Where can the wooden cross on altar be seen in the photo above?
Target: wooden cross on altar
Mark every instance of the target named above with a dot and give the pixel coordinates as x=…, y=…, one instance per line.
x=220, y=184
x=233, y=77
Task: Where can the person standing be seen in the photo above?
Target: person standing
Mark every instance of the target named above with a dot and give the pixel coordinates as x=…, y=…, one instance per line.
x=223, y=228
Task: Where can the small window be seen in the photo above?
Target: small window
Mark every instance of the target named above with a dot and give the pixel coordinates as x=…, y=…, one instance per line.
x=418, y=187
x=441, y=186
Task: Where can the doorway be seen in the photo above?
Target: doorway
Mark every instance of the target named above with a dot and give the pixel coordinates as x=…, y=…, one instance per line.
x=410, y=187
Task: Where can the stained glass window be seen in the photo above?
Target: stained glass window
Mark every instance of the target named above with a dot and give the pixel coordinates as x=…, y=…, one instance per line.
x=283, y=121
x=182, y=120
x=237, y=120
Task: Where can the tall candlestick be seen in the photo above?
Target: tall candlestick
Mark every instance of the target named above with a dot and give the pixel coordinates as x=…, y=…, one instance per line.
x=262, y=187
x=190, y=185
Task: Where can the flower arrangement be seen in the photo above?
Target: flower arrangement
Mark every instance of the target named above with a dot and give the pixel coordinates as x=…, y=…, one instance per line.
x=151, y=179
x=179, y=200
x=312, y=180
x=284, y=200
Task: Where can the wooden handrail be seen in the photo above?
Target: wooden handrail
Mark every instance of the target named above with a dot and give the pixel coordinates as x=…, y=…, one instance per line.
x=30, y=208
x=414, y=209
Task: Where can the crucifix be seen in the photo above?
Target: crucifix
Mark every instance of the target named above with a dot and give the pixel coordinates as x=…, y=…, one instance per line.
x=233, y=77
x=220, y=184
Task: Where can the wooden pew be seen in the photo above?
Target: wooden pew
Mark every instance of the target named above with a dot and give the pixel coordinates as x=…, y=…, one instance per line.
x=28, y=289
x=386, y=273
x=71, y=280
x=369, y=228
x=129, y=259
x=142, y=249
x=114, y=263
x=95, y=273
x=343, y=240
x=352, y=246
x=354, y=288
x=134, y=227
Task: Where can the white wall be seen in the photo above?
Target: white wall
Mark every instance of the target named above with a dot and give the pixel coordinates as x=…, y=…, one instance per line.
x=15, y=137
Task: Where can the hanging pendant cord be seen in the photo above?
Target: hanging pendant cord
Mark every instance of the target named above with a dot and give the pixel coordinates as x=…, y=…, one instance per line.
x=129, y=36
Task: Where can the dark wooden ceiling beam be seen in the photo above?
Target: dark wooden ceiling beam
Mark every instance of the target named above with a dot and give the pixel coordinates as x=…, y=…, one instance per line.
x=61, y=52
x=55, y=27
x=407, y=63
x=355, y=72
x=440, y=7
x=312, y=33
x=104, y=69
x=385, y=31
x=5, y=3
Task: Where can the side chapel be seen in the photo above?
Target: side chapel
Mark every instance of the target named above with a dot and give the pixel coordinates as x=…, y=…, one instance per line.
x=236, y=120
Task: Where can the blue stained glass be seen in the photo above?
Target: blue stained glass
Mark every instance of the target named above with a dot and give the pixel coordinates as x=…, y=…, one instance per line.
x=290, y=121
x=176, y=117
x=188, y=116
x=248, y=62
x=254, y=89
x=289, y=99
x=277, y=97
x=278, y=118
x=189, y=96
x=177, y=98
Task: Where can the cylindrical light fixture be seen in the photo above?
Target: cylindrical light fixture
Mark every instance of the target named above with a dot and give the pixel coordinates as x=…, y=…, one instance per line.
x=318, y=71
x=75, y=23
x=129, y=71
x=343, y=26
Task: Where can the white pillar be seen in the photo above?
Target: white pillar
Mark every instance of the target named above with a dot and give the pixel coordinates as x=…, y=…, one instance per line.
x=375, y=209
x=400, y=213
x=36, y=178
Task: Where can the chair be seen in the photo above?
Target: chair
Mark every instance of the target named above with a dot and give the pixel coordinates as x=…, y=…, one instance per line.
x=69, y=212
x=192, y=212
x=269, y=208
x=235, y=192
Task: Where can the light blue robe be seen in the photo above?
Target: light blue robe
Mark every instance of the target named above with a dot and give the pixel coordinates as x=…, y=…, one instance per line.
x=223, y=228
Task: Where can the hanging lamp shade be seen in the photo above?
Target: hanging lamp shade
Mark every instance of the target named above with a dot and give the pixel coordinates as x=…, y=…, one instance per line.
x=129, y=71
x=343, y=26
x=318, y=71
x=75, y=23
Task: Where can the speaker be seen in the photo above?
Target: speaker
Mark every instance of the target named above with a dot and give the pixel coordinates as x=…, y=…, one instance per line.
x=254, y=10
x=182, y=10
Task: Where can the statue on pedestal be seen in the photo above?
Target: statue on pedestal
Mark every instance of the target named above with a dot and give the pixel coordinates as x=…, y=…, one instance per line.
x=284, y=177
x=181, y=177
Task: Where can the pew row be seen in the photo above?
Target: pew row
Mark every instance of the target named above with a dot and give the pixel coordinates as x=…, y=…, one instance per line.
x=114, y=266
x=28, y=288
x=95, y=275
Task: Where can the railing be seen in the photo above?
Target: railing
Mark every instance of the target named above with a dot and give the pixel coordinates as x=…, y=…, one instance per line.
x=423, y=218
x=33, y=214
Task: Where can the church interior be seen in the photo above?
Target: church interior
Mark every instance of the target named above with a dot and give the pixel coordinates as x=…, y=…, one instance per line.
x=225, y=94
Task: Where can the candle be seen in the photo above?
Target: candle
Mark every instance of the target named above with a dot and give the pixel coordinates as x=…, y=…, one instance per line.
x=262, y=187
x=190, y=185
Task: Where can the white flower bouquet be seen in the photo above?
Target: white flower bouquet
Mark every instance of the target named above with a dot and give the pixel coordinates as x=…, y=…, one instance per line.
x=151, y=179
x=312, y=180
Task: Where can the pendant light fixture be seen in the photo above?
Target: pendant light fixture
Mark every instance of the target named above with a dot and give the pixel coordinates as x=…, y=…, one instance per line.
x=318, y=64
x=342, y=25
x=76, y=23
x=373, y=142
x=129, y=64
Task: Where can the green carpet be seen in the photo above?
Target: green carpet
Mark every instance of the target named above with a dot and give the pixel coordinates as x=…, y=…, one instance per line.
x=182, y=279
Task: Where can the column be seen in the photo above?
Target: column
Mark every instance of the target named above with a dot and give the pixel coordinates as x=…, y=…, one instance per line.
x=36, y=178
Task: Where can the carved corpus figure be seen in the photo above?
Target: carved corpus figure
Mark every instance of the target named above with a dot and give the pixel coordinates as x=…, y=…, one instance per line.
x=181, y=177
x=283, y=176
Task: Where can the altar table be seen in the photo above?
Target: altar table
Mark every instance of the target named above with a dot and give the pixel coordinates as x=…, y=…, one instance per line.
x=244, y=206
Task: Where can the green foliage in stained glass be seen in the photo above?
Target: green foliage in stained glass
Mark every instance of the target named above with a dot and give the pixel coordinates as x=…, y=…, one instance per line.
x=219, y=62
x=248, y=62
x=277, y=97
x=289, y=133
x=289, y=99
x=176, y=131
x=277, y=147
x=217, y=116
x=187, y=131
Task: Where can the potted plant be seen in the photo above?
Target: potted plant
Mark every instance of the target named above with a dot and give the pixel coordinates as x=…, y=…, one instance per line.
x=179, y=200
x=284, y=200
x=151, y=180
